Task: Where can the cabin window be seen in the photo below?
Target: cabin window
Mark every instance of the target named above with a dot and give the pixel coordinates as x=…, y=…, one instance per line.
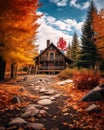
x=51, y=56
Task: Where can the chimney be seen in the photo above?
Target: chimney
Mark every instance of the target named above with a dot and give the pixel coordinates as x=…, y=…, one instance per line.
x=48, y=43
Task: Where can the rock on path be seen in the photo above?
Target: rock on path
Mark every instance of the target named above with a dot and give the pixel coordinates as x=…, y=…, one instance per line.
x=30, y=111
x=35, y=126
x=65, y=82
x=45, y=102
x=17, y=121
x=30, y=115
x=95, y=94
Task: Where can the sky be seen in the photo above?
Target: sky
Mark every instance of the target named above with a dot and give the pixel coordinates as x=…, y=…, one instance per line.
x=61, y=18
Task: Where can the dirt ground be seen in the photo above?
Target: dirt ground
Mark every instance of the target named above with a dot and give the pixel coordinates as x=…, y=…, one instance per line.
x=58, y=116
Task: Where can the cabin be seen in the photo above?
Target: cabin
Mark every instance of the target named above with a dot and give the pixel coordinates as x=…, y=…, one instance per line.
x=51, y=60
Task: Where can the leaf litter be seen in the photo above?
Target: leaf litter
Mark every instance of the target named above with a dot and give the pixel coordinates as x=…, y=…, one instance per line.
x=82, y=119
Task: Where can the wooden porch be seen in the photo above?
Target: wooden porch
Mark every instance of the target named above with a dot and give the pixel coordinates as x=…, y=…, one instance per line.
x=50, y=69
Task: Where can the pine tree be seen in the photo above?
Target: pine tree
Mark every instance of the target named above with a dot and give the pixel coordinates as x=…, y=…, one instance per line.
x=68, y=51
x=88, y=53
x=73, y=49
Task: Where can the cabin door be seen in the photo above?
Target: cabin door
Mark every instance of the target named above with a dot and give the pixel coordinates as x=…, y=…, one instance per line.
x=51, y=65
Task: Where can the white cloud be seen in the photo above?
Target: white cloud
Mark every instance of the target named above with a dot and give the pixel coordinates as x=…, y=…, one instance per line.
x=99, y=3
x=46, y=32
x=62, y=3
x=85, y=5
x=79, y=28
x=75, y=3
x=51, y=19
x=53, y=29
x=59, y=2
x=71, y=22
x=74, y=25
x=64, y=25
x=61, y=25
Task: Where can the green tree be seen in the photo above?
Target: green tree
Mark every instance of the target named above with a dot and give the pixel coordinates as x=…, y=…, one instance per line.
x=88, y=53
x=68, y=51
x=73, y=49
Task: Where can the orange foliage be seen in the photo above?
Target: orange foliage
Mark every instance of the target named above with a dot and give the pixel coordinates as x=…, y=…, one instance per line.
x=7, y=92
x=98, y=25
x=86, y=79
x=82, y=119
x=18, y=29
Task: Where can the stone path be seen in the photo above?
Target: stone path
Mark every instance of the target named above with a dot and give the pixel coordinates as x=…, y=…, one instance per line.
x=43, y=114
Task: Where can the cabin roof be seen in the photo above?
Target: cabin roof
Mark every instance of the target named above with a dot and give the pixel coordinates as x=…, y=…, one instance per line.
x=67, y=59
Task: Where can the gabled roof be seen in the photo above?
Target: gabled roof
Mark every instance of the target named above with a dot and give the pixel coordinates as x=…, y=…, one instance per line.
x=67, y=59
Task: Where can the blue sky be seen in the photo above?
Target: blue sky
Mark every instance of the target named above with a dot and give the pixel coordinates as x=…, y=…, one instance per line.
x=61, y=18
x=63, y=10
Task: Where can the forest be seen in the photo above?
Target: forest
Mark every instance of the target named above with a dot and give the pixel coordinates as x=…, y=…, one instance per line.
x=72, y=99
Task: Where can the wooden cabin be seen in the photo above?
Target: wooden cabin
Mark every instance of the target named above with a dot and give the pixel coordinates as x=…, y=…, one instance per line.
x=51, y=60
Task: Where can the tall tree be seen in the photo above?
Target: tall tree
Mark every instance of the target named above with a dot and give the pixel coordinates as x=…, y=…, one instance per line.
x=88, y=53
x=98, y=26
x=18, y=29
x=74, y=50
x=68, y=54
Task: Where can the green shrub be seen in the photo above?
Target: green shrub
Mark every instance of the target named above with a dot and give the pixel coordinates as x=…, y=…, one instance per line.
x=86, y=79
x=67, y=73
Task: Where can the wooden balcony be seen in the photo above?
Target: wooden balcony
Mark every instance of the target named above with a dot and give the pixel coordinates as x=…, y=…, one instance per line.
x=48, y=59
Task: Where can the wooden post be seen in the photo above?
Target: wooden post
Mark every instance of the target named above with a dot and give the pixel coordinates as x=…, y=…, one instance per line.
x=2, y=68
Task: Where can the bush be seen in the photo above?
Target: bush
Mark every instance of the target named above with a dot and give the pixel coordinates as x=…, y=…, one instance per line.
x=67, y=73
x=86, y=79
x=102, y=74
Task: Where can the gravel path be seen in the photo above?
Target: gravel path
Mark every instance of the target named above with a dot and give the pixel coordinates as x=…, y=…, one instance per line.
x=44, y=114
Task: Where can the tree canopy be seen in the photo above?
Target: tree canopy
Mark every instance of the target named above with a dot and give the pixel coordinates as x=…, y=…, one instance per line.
x=61, y=44
x=98, y=25
x=18, y=29
x=73, y=49
x=88, y=54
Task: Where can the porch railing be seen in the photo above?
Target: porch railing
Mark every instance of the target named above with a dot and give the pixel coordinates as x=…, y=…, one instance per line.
x=51, y=68
x=48, y=59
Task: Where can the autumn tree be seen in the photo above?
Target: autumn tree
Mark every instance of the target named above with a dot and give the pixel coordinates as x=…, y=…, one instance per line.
x=98, y=26
x=18, y=30
x=61, y=44
x=88, y=54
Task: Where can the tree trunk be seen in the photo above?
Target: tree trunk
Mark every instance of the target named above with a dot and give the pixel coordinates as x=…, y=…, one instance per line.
x=2, y=68
x=16, y=70
x=13, y=70
x=29, y=69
